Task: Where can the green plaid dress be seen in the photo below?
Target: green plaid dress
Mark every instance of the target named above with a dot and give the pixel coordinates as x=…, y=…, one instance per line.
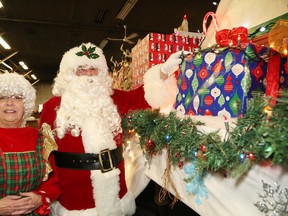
x=22, y=167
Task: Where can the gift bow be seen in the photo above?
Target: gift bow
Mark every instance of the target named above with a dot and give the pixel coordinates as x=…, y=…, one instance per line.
x=226, y=37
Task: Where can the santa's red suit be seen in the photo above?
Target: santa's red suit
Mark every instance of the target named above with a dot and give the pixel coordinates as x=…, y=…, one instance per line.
x=86, y=118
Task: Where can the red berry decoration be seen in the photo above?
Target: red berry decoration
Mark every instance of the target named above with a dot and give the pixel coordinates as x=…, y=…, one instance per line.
x=178, y=155
x=225, y=174
x=203, y=148
x=150, y=146
x=150, y=143
x=181, y=163
x=251, y=156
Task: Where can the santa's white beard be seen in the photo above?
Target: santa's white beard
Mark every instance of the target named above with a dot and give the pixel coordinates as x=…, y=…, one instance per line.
x=86, y=98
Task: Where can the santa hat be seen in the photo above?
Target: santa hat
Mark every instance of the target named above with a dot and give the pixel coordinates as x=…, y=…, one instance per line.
x=85, y=54
x=88, y=55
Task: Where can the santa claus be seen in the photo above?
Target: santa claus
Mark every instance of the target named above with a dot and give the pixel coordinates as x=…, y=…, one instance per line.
x=85, y=114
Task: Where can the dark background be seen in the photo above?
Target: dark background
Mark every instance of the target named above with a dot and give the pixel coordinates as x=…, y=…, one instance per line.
x=40, y=31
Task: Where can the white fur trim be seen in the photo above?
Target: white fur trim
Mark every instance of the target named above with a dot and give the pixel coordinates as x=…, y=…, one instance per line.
x=159, y=93
x=127, y=203
x=106, y=192
x=96, y=136
x=58, y=210
x=69, y=63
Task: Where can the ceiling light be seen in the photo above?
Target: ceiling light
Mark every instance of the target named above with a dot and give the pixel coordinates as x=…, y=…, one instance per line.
x=23, y=65
x=126, y=9
x=33, y=76
x=4, y=43
x=6, y=65
x=1, y=5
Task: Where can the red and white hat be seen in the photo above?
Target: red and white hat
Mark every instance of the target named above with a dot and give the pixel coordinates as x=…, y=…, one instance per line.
x=85, y=54
x=88, y=55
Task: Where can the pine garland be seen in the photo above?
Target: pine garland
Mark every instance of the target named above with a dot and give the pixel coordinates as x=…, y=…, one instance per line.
x=255, y=138
x=275, y=132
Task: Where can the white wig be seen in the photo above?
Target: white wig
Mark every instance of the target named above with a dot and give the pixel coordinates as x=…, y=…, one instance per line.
x=16, y=84
x=87, y=54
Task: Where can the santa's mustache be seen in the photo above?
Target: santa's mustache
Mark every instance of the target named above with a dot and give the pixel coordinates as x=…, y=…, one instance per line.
x=87, y=85
x=86, y=97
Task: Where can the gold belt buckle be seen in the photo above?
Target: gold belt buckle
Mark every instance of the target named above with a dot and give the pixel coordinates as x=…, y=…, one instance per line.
x=104, y=170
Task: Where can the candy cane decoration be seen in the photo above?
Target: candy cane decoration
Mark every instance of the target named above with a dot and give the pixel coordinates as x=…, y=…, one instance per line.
x=214, y=19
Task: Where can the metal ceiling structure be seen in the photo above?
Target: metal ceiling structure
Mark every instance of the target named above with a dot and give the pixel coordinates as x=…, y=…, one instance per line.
x=40, y=31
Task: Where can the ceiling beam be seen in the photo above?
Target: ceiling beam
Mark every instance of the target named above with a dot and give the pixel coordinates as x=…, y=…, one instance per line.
x=76, y=26
x=9, y=56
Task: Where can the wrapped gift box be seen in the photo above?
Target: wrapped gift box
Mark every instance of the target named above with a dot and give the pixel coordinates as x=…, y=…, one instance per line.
x=259, y=34
x=219, y=84
x=155, y=48
x=283, y=81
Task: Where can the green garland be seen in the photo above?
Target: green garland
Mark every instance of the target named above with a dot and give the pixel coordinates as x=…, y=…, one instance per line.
x=253, y=139
x=275, y=132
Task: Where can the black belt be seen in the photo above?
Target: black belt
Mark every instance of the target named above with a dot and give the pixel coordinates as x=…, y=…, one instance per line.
x=106, y=160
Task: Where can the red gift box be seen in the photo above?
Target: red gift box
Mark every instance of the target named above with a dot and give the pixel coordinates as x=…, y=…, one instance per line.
x=156, y=48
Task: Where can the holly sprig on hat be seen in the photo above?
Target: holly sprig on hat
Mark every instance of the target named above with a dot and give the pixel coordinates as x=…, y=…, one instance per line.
x=89, y=52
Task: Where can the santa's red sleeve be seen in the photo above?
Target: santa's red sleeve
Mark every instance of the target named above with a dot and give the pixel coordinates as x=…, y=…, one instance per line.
x=48, y=113
x=130, y=100
x=50, y=187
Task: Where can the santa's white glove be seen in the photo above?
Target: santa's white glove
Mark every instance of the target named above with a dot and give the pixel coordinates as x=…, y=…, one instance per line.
x=173, y=62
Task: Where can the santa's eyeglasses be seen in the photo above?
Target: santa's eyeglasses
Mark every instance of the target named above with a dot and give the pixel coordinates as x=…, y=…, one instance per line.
x=85, y=67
